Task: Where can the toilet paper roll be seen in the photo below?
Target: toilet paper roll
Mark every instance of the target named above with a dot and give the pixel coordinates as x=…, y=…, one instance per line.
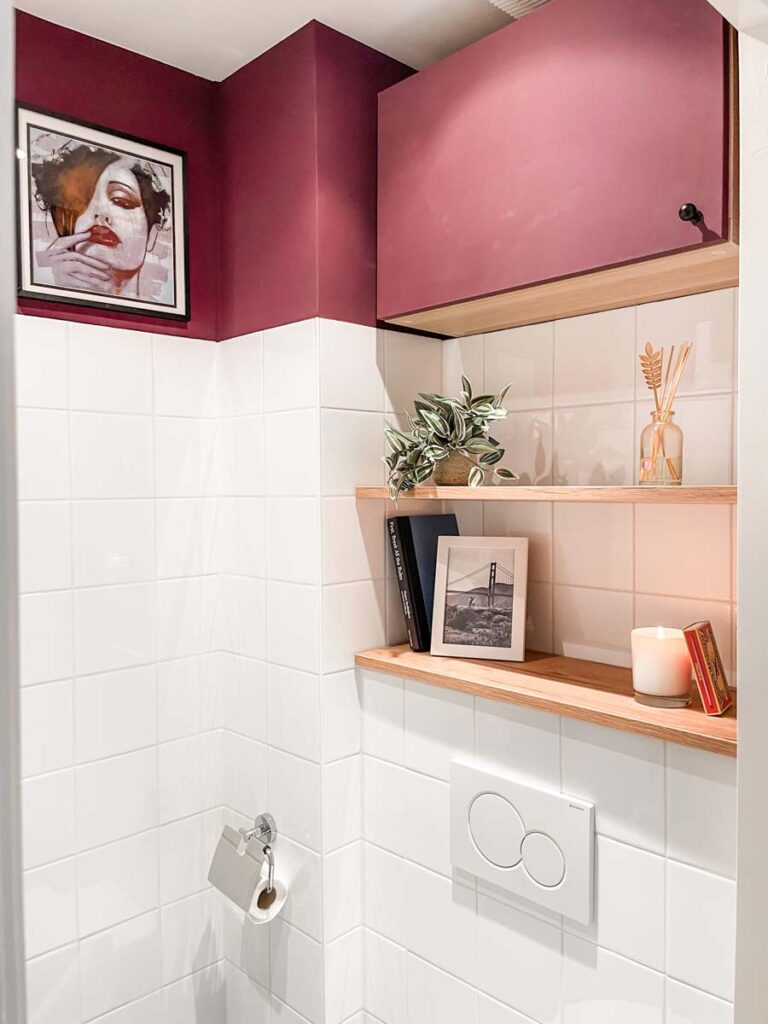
x=267, y=905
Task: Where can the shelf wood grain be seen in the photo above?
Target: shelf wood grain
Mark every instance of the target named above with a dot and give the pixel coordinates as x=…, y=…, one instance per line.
x=586, y=690
x=712, y=495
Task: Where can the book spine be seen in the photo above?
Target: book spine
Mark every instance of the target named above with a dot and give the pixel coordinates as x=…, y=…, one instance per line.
x=413, y=571
x=700, y=671
x=403, y=582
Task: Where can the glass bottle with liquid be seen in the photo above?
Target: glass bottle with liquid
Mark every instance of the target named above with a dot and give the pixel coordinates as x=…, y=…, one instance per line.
x=661, y=452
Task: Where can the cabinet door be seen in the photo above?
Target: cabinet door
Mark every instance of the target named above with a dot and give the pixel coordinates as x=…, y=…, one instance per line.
x=565, y=142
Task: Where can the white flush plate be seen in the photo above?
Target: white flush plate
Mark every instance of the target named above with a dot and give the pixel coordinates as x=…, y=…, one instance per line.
x=533, y=843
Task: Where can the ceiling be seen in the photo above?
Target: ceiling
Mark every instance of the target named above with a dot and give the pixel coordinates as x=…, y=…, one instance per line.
x=213, y=38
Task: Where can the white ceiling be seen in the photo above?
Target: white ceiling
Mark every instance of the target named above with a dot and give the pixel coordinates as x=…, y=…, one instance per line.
x=213, y=38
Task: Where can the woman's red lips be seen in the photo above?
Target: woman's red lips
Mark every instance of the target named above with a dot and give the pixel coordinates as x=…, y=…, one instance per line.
x=102, y=235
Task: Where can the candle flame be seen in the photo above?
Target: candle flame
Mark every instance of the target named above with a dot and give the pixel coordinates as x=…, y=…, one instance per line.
x=660, y=633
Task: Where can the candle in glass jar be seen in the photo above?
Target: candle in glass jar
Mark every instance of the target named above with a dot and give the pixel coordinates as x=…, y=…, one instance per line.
x=661, y=667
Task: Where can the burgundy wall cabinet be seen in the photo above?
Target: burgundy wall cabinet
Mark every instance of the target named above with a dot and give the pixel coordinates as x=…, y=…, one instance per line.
x=539, y=172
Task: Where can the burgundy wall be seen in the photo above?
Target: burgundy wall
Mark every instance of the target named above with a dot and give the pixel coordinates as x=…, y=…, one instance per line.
x=281, y=169
x=73, y=74
x=562, y=143
x=298, y=222
x=349, y=78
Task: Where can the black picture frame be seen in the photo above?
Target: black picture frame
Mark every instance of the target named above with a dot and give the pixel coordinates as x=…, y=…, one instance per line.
x=26, y=116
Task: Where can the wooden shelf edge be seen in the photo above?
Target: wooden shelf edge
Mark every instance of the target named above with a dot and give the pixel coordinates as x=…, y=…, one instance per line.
x=585, y=690
x=702, y=269
x=711, y=495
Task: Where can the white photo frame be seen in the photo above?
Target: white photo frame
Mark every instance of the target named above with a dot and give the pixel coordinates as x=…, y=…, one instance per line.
x=481, y=588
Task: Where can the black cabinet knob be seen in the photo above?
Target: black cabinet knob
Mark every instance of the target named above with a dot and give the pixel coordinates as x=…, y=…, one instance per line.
x=691, y=213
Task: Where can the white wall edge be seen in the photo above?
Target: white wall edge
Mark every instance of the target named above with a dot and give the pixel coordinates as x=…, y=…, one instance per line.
x=12, y=997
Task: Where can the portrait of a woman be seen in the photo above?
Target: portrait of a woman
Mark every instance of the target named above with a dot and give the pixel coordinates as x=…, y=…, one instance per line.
x=101, y=222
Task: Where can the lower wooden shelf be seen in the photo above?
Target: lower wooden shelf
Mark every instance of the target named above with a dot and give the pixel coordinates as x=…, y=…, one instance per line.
x=586, y=690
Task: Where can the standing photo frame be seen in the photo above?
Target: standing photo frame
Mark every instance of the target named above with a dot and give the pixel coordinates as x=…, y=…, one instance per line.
x=101, y=217
x=481, y=588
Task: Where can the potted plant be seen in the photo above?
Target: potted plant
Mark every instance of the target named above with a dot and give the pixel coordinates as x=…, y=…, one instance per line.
x=448, y=439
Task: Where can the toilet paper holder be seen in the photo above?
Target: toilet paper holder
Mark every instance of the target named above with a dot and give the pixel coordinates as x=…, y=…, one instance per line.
x=265, y=832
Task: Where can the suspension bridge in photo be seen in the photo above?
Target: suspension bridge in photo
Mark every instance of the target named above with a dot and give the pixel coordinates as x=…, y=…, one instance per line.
x=490, y=586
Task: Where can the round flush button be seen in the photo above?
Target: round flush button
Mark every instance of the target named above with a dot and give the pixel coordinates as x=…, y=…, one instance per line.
x=497, y=829
x=543, y=859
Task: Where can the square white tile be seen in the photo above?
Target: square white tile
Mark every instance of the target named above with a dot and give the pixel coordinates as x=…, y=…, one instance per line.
x=297, y=970
x=189, y=775
x=360, y=351
x=185, y=376
x=342, y=715
x=629, y=916
x=439, y=726
x=433, y=994
x=412, y=364
x=353, y=540
x=45, y=547
x=113, y=542
x=117, y=882
x=607, y=373
x=43, y=454
x=669, y=540
x=522, y=357
x=296, y=432
x=47, y=736
x=48, y=820
x=48, y=615
x=518, y=959
x=594, y=446
x=593, y=545
x=440, y=922
x=50, y=907
x=701, y=809
x=293, y=539
x=462, y=357
x=708, y=434
x=293, y=625
x=112, y=456
x=701, y=929
x=290, y=366
x=526, y=438
x=42, y=370
x=239, y=376
x=383, y=715
x=385, y=979
x=115, y=713
x=295, y=798
x=186, y=532
x=354, y=619
x=526, y=519
x=708, y=321
x=687, y=1005
x=116, y=798
x=343, y=896
x=120, y=964
x=593, y=624
x=352, y=450
x=294, y=711
x=53, y=987
x=342, y=803
x=623, y=775
x=111, y=369
x=114, y=627
x=184, y=456
x=518, y=741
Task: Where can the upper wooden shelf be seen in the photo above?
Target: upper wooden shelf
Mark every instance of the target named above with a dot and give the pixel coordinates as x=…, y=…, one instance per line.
x=713, y=495
x=586, y=690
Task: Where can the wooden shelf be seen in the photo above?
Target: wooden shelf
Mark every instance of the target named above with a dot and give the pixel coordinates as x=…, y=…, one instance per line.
x=713, y=495
x=586, y=690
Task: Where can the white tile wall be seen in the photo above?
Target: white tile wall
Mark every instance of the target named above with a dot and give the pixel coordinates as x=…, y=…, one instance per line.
x=201, y=598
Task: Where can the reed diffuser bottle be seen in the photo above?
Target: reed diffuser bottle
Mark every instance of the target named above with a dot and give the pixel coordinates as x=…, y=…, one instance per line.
x=661, y=442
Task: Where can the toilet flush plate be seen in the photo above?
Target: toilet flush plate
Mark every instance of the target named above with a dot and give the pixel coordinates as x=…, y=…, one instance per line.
x=529, y=841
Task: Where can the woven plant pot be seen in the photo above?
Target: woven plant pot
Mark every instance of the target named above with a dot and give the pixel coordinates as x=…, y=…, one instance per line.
x=453, y=471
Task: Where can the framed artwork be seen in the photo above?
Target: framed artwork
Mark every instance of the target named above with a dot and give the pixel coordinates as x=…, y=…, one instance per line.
x=101, y=218
x=481, y=585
